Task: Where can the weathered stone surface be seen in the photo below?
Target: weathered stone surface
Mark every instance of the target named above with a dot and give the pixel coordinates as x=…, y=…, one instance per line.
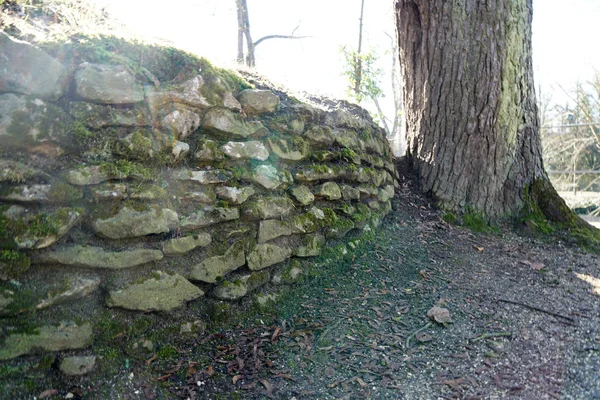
x=302, y=194
x=311, y=246
x=206, y=177
x=97, y=257
x=63, y=219
x=349, y=192
x=180, y=150
x=320, y=172
x=209, y=216
x=107, y=84
x=98, y=116
x=308, y=222
x=234, y=195
x=25, y=121
x=339, y=228
x=390, y=190
x=205, y=195
x=320, y=135
x=6, y=299
x=253, y=150
x=240, y=287
x=273, y=228
x=130, y=223
x=266, y=176
x=208, y=150
x=48, y=338
x=383, y=195
x=75, y=289
x=227, y=123
x=344, y=119
x=255, y=102
x=110, y=191
x=349, y=139
x=90, y=176
x=178, y=246
x=76, y=366
x=147, y=192
x=28, y=70
x=329, y=190
x=269, y=207
x=288, y=150
x=181, y=122
x=16, y=172
x=160, y=292
x=266, y=254
x=27, y=193
x=213, y=268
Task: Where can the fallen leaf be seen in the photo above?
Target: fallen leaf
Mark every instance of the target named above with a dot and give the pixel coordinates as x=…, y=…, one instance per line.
x=536, y=266
x=153, y=358
x=439, y=314
x=478, y=248
x=361, y=382
x=267, y=386
x=210, y=370
x=236, y=378
x=48, y=393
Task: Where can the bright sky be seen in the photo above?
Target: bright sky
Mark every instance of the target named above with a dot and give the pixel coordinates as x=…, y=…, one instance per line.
x=565, y=37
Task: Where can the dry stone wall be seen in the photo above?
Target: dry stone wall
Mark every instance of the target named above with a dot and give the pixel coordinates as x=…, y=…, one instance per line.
x=121, y=191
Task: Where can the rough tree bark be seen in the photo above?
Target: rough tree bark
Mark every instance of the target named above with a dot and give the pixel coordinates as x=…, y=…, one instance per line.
x=472, y=121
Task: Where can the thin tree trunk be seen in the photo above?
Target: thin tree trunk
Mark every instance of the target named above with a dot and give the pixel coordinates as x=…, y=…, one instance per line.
x=358, y=59
x=240, y=4
x=472, y=123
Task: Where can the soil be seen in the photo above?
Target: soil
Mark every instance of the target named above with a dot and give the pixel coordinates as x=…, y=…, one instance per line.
x=525, y=324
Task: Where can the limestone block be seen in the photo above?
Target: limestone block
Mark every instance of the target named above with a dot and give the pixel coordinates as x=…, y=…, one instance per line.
x=289, y=150
x=63, y=220
x=159, y=292
x=131, y=223
x=209, y=216
x=208, y=150
x=266, y=176
x=267, y=254
x=227, y=123
x=97, y=257
x=204, y=194
x=273, y=228
x=75, y=289
x=107, y=84
x=269, y=207
x=329, y=191
x=178, y=246
x=98, y=116
x=302, y=194
x=47, y=338
x=181, y=122
x=253, y=150
x=320, y=135
x=205, y=177
x=240, y=287
x=234, y=195
x=213, y=268
x=78, y=365
x=256, y=102
x=349, y=192
x=28, y=70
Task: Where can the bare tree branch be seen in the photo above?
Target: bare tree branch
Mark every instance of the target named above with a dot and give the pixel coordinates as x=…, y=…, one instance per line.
x=262, y=39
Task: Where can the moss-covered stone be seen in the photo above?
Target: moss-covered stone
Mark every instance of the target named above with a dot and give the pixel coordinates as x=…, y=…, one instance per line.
x=291, y=150
x=241, y=286
x=97, y=257
x=209, y=216
x=267, y=254
x=178, y=246
x=310, y=246
x=205, y=177
x=131, y=223
x=329, y=191
x=43, y=230
x=256, y=102
x=234, y=195
x=214, y=268
x=107, y=84
x=302, y=195
x=208, y=151
x=73, y=289
x=160, y=292
x=77, y=365
x=268, y=208
x=226, y=123
x=273, y=228
x=253, y=150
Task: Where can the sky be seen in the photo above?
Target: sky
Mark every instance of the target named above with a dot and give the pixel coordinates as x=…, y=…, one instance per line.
x=565, y=35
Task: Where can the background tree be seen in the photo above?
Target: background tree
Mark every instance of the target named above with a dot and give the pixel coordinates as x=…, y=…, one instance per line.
x=244, y=32
x=473, y=132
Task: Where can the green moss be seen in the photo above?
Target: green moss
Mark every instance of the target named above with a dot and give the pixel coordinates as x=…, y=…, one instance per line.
x=63, y=192
x=221, y=312
x=167, y=352
x=126, y=168
x=477, y=222
x=363, y=213
x=323, y=155
x=450, y=218
x=320, y=168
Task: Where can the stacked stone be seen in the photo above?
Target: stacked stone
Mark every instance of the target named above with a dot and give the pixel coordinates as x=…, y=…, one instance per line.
x=204, y=190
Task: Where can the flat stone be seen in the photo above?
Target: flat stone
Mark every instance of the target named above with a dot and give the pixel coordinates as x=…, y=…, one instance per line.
x=269, y=207
x=227, y=123
x=240, y=287
x=313, y=173
x=271, y=229
x=97, y=257
x=99, y=116
x=90, y=176
x=383, y=195
x=349, y=192
x=48, y=338
x=256, y=102
x=310, y=246
x=160, y=292
x=234, y=195
x=78, y=288
x=77, y=366
x=205, y=195
x=349, y=139
x=288, y=150
x=266, y=176
x=213, y=268
x=329, y=190
x=27, y=193
x=110, y=191
x=209, y=216
x=266, y=254
x=16, y=172
x=302, y=194
x=181, y=122
x=28, y=70
x=178, y=246
x=63, y=219
x=320, y=135
x=340, y=228
x=205, y=177
x=130, y=223
x=147, y=192
x=107, y=84
x=308, y=222
x=253, y=150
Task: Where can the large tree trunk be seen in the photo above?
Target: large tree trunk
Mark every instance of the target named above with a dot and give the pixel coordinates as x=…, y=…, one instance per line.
x=472, y=121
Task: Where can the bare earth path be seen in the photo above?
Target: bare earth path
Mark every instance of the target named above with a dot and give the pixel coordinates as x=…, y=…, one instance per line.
x=524, y=324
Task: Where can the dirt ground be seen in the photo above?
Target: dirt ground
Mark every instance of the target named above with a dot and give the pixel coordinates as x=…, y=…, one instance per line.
x=525, y=325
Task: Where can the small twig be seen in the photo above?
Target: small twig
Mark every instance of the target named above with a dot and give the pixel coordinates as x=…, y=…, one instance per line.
x=534, y=308
x=490, y=335
x=415, y=334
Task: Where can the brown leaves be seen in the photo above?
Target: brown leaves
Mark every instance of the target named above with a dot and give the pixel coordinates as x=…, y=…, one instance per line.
x=439, y=314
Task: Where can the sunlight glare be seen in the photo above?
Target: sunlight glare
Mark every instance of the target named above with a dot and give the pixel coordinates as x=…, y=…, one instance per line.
x=595, y=282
